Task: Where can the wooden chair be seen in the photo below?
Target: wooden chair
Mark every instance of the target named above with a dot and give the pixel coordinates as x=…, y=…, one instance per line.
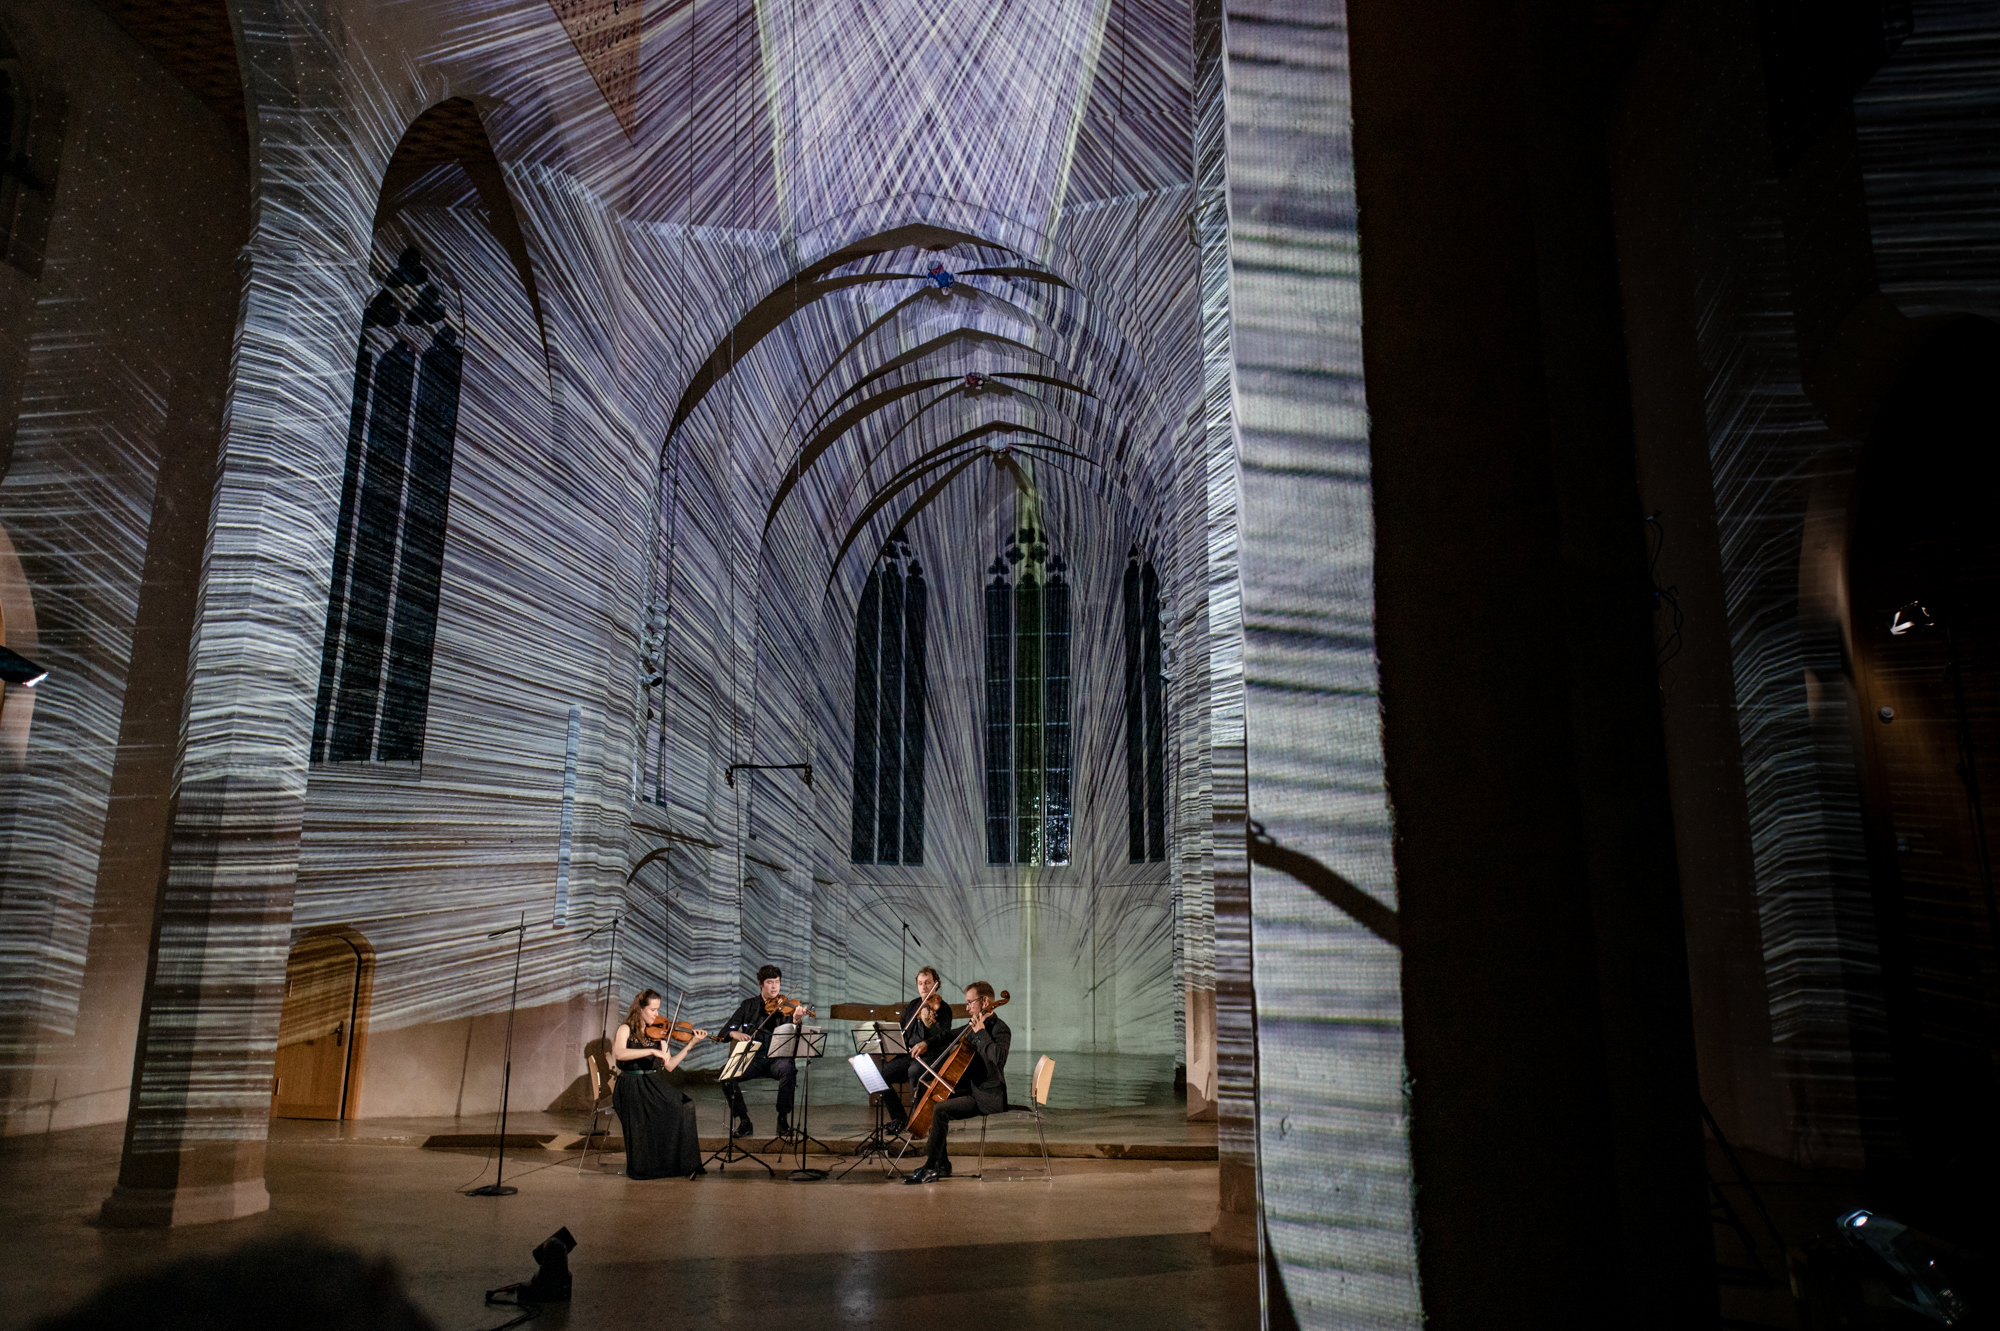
x=602, y=1079
x=1038, y=1099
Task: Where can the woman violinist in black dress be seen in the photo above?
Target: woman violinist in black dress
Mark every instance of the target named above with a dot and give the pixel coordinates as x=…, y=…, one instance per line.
x=661, y=1140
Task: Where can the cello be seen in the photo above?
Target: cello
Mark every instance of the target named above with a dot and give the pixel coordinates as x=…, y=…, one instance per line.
x=945, y=1077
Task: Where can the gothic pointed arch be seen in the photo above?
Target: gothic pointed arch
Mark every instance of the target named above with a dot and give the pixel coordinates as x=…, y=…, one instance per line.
x=890, y=688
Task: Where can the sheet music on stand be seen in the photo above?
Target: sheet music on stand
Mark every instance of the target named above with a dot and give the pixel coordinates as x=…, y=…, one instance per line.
x=872, y=1040
x=790, y=1041
x=806, y=1044
x=881, y=1037
x=733, y=1070
x=871, y=1076
x=739, y=1059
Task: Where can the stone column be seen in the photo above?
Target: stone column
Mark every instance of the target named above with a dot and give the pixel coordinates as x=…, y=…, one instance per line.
x=1216, y=455
x=201, y=1085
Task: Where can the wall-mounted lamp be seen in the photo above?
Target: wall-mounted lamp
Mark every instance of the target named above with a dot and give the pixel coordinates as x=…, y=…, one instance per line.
x=18, y=669
x=1910, y=616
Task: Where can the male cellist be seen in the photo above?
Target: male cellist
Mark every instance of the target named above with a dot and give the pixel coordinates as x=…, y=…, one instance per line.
x=983, y=1088
x=927, y=1032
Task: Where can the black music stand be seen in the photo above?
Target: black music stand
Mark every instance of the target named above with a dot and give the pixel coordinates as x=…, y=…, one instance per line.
x=739, y=1060
x=887, y=1040
x=804, y=1046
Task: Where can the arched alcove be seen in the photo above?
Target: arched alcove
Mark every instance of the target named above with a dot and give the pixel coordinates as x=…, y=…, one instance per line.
x=323, y=1025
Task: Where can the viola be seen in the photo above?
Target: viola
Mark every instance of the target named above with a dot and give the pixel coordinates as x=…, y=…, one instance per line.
x=953, y=1066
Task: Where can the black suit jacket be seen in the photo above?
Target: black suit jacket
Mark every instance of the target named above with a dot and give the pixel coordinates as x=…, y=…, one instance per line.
x=986, y=1080
x=936, y=1038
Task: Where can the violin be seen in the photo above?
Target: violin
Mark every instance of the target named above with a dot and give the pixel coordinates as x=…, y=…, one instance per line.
x=680, y=1032
x=944, y=1080
x=671, y=1028
x=791, y=1007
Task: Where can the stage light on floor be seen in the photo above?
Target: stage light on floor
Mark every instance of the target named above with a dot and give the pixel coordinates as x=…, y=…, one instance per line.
x=551, y=1283
x=18, y=669
x=1910, y=616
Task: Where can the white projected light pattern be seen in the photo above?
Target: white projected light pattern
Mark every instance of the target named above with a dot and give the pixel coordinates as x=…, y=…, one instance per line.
x=814, y=274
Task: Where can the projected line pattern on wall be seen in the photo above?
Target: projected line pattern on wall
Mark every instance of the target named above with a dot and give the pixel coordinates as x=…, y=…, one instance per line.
x=1145, y=713
x=388, y=558
x=1028, y=752
x=889, y=693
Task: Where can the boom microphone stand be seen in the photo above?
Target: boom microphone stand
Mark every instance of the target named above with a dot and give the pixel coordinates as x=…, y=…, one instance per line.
x=496, y=1188
x=604, y=1034
x=610, y=961
x=909, y=937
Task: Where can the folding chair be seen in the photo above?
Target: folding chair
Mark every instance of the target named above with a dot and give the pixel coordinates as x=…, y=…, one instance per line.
x=1038, y=1099
x=602, y=1080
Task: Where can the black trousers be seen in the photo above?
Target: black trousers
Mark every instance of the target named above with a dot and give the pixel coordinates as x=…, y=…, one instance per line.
x=897, y=1071
x=784, y=1071
x=959, y=1106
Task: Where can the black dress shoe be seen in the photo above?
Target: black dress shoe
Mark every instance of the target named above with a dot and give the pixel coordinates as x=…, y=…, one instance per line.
x=923, y=1174
x=896, y=1127
x=784, y=1125
x=941, y=1173
x=743, y=1129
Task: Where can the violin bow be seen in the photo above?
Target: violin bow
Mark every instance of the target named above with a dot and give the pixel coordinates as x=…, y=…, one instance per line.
x=956, y=1041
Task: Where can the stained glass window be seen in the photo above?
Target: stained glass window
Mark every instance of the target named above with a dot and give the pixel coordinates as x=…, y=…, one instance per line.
x=388, y=556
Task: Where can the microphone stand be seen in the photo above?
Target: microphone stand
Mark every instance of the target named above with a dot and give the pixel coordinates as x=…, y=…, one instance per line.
x=604, y=1018
x=909, y=936
x=496, y=1188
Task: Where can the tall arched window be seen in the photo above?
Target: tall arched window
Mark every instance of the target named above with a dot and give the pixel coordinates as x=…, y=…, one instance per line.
x=1145, y=713
x=388, y=554
x=889, y=685
x=1028, y=753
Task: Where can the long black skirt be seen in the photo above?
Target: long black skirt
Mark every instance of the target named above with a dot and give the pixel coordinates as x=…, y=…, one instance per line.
x=661, y=1140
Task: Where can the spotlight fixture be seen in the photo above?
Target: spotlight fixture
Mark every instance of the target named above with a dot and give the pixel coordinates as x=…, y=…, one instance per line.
x=1920, y=1275
x=1910, y=616
x=18, y=669
x=551, y=1283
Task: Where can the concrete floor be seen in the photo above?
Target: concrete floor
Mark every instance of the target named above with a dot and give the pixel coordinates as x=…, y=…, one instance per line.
x=1108, y=1244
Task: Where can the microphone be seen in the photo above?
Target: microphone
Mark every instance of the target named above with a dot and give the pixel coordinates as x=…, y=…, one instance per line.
x=912, y=933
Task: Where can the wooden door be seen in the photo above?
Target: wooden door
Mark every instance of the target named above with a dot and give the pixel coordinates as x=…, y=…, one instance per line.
x=316, y=1030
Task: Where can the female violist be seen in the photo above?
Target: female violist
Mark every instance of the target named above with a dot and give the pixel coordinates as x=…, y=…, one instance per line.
x=661, y=1140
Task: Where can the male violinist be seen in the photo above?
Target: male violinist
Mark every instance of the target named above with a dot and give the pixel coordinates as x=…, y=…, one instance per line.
x=752, y=1021
x=983, y=1088
x=927, y=1032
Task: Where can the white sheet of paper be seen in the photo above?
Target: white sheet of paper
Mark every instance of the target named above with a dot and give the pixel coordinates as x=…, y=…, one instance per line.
x=871, y=1076
x=739, y=1058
